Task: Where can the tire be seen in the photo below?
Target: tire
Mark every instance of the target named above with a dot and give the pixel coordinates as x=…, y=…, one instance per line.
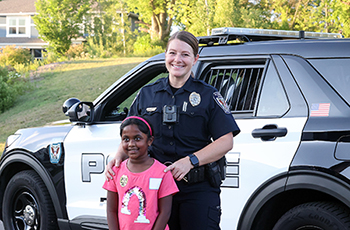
x=315, y=216
x=27, y=204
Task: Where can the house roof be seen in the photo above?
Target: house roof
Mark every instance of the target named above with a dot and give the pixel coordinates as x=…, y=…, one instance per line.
x=30, y=43
x=21, y=40
x=17, y=6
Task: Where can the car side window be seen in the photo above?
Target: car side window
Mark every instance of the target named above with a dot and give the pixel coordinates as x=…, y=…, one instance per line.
x=127, y=103
x=118, y=111
x=238, y=85
x=337, y=73
x=273, y=100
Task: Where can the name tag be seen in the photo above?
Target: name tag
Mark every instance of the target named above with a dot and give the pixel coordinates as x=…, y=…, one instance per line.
x=154, y=183
x=151, y=109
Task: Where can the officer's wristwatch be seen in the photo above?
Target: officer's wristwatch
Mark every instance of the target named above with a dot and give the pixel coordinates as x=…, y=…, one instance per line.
x=194, y=160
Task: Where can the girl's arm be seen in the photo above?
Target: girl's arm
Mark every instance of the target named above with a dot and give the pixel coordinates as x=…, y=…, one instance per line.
x=164, y=207
x=112, y=210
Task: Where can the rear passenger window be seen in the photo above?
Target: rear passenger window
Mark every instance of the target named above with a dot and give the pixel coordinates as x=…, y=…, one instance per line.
x=238, y=85
x=241, y=86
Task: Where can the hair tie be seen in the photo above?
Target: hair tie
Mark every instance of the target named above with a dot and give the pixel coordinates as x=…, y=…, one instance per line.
x=141, y=119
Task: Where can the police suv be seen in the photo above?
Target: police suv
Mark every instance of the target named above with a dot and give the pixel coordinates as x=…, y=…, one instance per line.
x=290, y=165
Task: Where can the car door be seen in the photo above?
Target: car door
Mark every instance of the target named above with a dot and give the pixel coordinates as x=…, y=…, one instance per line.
x=271, y=114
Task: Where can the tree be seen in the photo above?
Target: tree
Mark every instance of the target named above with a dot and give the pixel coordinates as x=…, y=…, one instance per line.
x=331, y=16
x=200, y=16
x=109, y=28
x=121, y=25
x=59, y=21
x=156, y=16
x=313, y=15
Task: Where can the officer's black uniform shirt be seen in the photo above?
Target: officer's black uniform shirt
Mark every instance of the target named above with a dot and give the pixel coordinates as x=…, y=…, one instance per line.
x=201, y=117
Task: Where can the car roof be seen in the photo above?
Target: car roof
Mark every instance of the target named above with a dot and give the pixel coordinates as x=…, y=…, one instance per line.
x=310, y=48
x=313, y=48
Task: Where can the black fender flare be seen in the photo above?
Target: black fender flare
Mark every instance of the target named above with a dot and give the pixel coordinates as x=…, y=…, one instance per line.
x=23, y=157
x=320, y=181
x=297, y=179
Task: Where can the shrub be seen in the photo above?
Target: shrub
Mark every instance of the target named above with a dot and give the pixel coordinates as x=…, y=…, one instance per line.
x=12, y=85
x=10, y=56
x=76, y=51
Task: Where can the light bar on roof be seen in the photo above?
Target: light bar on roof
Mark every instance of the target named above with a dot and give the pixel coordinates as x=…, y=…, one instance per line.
x=272, y=33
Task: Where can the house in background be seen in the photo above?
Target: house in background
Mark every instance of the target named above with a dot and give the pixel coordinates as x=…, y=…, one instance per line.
x=17, y=26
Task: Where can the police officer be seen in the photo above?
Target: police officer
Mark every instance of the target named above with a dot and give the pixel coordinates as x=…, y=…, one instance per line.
x=193, y=128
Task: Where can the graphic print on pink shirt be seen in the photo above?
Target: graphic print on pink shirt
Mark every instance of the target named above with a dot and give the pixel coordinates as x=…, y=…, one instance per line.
x=137, y=191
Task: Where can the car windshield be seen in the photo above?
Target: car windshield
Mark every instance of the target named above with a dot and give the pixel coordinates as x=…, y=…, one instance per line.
x=337, y=73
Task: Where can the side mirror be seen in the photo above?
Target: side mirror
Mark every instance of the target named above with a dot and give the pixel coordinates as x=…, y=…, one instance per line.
x=68, y=104
x=82, y=113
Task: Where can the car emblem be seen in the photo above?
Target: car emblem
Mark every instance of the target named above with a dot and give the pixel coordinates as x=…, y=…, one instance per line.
x=55, y=153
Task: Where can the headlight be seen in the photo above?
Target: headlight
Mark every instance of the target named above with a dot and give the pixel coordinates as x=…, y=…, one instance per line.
x=11, y=139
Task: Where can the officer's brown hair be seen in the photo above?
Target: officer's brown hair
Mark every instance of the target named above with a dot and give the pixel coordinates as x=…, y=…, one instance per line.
x=185, y=37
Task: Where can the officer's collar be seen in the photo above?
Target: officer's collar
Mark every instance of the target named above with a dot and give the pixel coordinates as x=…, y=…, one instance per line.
x=187, y=86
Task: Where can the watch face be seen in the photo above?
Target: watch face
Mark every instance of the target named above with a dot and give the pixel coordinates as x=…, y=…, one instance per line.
x=194, y=160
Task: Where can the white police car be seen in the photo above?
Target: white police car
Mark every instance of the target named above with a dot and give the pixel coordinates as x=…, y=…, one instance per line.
x=289, y=168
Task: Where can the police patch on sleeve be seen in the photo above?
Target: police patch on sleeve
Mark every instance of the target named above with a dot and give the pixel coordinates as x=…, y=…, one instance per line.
x=221, y=102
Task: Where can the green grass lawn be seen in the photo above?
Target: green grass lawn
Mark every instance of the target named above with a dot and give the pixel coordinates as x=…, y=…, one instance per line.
x=83, y=79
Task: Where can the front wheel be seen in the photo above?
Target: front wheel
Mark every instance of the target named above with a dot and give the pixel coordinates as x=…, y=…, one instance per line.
x=315, y=216
x=27, y=204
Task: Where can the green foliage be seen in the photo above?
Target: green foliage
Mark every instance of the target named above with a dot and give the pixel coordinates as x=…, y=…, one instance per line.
x=50, y=57
x=76, y=51
x=10, y=55
x=155, y=16
x=12, y=85
x=201, y=16
x=145, y=47
x=59, y=21
x=313, y=15
x=110, y=30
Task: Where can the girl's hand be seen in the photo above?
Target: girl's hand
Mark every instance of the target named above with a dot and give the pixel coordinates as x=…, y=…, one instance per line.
x=180, y=168
x=109, y=173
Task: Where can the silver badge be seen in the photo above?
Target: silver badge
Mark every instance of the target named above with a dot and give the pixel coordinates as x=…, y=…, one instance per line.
x=195, y=99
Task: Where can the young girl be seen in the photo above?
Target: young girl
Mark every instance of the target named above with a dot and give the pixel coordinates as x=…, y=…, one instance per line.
x=140, y=194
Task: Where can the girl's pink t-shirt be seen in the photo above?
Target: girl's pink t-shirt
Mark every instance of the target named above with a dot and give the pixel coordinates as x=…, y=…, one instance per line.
x=139, y=193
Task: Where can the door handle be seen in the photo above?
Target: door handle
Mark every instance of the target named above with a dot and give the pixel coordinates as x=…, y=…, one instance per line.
x=269, y=132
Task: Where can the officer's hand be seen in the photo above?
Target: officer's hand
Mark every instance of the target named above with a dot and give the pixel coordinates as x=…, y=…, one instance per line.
x=109, y=173
x=180, y=168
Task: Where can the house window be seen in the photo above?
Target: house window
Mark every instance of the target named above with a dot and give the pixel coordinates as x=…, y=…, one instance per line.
x=17, y=26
